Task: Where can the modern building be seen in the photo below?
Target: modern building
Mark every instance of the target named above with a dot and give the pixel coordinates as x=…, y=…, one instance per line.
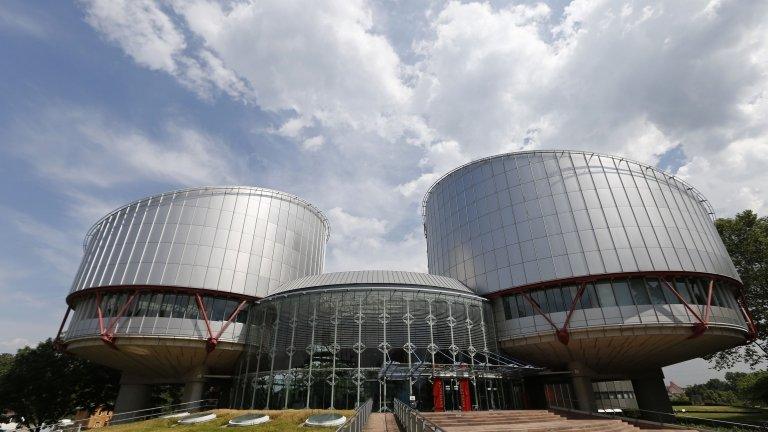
x=557, y=278
x=596, y=265
x=338, y=339
x=163, y=282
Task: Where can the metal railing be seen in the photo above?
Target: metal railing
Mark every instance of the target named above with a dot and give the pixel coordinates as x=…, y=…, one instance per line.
x=633, y=415
x=412, y=420
x=357, y=422
x=132, y=416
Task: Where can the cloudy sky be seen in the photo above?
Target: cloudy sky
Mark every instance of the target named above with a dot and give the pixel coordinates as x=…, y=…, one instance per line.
x=354, y=105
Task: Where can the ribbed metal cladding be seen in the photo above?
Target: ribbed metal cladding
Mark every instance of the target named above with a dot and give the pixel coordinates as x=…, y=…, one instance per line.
x=524, y=218
x=240, y=240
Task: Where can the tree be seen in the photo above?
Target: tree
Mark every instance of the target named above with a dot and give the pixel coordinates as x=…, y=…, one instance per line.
x=746, y=238
x=42, y=384
x=713, y=392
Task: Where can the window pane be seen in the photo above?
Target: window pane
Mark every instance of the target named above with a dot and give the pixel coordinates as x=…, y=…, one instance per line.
x=621, y=290
x=168, y=303
x=639, y=293
x=699, y=294
x=507, y=309
x=154, y=305
x=541, y=298
x=555, y=298
x=180, y=305
x=605, y=294
x=192, y=309
x=589, y=298
x=569, y=293
x=525, y=306
x=683, y=290
x=655, y=291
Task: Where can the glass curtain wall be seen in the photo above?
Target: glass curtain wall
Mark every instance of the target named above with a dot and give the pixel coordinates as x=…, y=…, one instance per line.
x=338, y=347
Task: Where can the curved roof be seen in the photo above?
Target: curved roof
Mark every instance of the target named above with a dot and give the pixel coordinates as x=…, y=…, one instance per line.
x=373, y=277
x=700, y=197
x=235, y=190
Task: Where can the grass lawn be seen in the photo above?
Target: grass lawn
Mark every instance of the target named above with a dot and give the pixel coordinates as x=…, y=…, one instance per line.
x=282, y=420
x=724, y=413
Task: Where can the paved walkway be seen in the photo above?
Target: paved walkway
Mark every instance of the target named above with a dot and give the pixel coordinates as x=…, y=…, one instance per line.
x=381, y=422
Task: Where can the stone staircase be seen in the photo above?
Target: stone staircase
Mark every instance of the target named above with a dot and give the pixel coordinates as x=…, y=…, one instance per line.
x=526, y=420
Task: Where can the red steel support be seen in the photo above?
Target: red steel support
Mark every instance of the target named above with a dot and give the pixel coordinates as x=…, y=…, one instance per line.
x=108, y=335
x=751, y=326
x=100, y=313
x=201, y=308
x=561, y=332
x=708, y=310
x=562, y=335
x=700, y=327
x=58, y=344
x=538, y=310
x=214, y=340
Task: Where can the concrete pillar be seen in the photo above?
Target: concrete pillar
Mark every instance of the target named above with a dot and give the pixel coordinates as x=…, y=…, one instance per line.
x=193, y=391
x=651, y=393
x=581, y=378
x=194, y=386
x=134, y=394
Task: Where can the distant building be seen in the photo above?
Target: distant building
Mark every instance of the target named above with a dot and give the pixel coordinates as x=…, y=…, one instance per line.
x=674, y=390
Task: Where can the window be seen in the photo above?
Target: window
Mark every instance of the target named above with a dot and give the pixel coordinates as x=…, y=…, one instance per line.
x=605, y=294
x=622, y=293
x=639, y=293
x=655, y=291
x=589, y=299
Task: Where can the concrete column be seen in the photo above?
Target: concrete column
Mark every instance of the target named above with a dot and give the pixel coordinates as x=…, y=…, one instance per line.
x=651, y=393
x=581, y=378
x=134, y=394
x=194, y=386
x=193, y=391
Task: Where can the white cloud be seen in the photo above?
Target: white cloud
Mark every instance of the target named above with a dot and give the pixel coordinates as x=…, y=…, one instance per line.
x=360, y=243
x=313, y=144
x=11, y=345
x=633, y=79
x=77, y=147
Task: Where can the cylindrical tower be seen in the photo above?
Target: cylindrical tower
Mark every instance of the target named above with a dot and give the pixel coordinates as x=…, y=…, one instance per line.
x=163, y=286
x=593, y=262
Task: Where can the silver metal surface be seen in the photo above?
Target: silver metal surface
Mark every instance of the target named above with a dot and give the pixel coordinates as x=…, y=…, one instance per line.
x=241, y=240
x=530, y=217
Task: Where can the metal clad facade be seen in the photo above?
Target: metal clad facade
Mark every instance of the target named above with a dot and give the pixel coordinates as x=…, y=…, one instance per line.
x=525, y=218
x=232, y=239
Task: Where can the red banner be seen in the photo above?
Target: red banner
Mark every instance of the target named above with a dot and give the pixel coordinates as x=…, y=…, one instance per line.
x=437, y=395
x=466, y=399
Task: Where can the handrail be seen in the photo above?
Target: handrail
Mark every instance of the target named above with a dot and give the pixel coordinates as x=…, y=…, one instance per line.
x=357, y=422
x=136, y=415
x=661, y=417
x=412, y=420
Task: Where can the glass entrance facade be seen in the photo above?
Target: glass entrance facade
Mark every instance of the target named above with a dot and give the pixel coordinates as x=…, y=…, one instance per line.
x=337, y=340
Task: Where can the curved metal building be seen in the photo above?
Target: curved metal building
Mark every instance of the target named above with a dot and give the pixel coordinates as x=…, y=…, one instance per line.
x=594, y=263
x=165, y=280
x=338, y=339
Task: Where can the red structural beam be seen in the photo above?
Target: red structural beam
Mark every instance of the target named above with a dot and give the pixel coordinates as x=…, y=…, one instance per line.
x=201, y=308
x=214, y=340
x=100, y=313
x=108, y=335
x=58, y=344
x=561, y=332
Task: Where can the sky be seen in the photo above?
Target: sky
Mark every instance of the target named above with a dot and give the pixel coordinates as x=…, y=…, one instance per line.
x=355, y=105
